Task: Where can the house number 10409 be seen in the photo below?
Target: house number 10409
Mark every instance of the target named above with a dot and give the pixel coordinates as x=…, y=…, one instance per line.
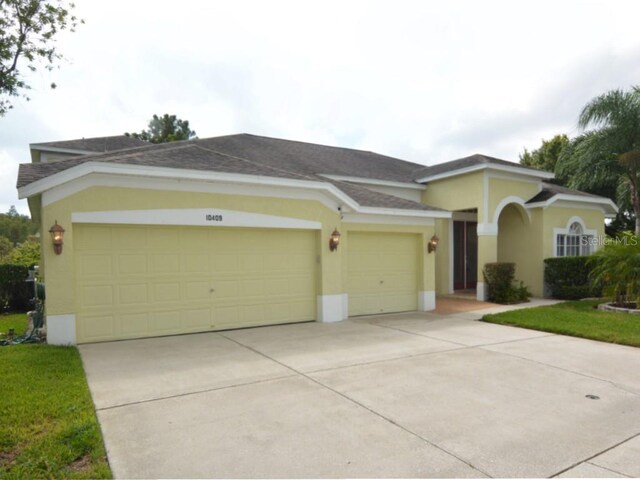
x=214, y=218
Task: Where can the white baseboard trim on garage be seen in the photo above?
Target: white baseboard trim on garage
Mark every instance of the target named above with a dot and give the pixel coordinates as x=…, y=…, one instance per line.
x=61, y=329
x=481, y=293
x=427, y=300
x=332, y=308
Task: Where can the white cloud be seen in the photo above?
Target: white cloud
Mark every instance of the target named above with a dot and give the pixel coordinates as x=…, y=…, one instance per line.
x=425, y=81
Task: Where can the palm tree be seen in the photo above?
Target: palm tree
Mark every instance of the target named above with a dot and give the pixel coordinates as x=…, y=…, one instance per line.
x=608, y=154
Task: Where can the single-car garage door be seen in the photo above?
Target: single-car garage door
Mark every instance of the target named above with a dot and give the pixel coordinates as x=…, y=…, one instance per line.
x=382, y=272
x=143, y=281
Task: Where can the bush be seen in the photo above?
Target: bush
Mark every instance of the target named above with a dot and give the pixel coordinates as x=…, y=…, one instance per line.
x=500, y=282
x=15, y=292
x=617, y=268
x=567, y=278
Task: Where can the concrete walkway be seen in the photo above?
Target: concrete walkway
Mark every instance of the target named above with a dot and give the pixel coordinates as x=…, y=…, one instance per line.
x=408, y=395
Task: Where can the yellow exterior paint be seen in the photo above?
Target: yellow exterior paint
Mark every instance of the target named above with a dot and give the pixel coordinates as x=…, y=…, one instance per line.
x=456, y=193
x=382, y=272
x=90, y=279
x=135, y=281
x=501, y=188
x=61, y=268
x=519, y=242
x=558, y=217
x=442, y=256
x=107, y=310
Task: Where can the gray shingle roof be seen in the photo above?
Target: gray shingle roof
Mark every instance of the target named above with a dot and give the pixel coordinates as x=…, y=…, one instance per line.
x=550, y=190
x=95, y=144
x=369, y=198
x=269, y=157
x=466, y=162
x=197, y=155
x=311, y=158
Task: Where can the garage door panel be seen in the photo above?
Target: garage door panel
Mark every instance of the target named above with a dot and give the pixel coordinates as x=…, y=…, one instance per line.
x=132, y=264
x=96, y=295
x=198, y=290
x=163, y=239
x=134, y=323
x=133, y=294
x=196, y=319
x=94, y=328
x=382, y=272
x=194, y=240
x=164, y=263
x=129, y=239
x=96, y=265
x=164, y=322
x=166, y=292
x=96, y=238
x=225, y=263
x=154, y=282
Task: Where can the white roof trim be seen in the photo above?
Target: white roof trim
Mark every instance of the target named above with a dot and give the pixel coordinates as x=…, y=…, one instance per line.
x=605, y=202
x=86, y=168
x=528, y=172
x=45, y=148
x=371, y=181
x=406, y=213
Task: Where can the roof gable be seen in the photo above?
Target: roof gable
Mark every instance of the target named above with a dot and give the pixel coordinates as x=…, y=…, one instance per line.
x=474, y=163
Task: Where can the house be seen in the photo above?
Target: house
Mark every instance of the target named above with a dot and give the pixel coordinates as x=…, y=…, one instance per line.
x=243, y=230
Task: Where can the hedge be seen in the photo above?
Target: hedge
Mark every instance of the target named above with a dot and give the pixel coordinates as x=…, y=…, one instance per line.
x=15, y=292
x=500, y=282
x=567, y=278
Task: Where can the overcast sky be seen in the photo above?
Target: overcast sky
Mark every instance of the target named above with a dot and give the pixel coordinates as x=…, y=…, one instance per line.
x=423, y=81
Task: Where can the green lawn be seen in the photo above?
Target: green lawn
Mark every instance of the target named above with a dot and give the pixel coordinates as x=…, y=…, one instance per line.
x=17, y=321
x=48, y=426
x=577, y=319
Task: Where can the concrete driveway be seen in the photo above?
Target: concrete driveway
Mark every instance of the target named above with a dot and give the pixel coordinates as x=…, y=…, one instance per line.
x=410, y=395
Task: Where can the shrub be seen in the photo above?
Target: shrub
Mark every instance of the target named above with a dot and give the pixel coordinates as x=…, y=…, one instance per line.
x=15, y=292
x=500, y=282
x=567, y=278
x=617, y=268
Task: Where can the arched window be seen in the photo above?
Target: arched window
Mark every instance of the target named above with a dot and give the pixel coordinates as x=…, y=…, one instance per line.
x=575, y=229
x=574, y=242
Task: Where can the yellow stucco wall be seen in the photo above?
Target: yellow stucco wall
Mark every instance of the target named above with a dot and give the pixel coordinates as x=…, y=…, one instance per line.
x=558, y=217
x=456, y=193
x=502, y=188
x=61, y=268
x=441, y=256
x=519, y=241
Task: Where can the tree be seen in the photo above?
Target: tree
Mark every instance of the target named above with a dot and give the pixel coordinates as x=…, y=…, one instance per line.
x=28, y=30
x=5, y=249
x=27, y=253
x=16, y=227
x=164, y=129
x=546, y=156
x=608, y=155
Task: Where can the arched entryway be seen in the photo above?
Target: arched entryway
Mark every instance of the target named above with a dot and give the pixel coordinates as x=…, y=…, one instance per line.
x=515, y=239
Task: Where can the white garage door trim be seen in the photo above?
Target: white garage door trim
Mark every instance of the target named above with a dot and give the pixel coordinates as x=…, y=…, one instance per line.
x=194, y=217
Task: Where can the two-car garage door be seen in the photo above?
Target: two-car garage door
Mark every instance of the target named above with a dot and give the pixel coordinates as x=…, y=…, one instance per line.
x=143, y=281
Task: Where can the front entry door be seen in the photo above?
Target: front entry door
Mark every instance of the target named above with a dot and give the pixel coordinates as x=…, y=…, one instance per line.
x=465, y=259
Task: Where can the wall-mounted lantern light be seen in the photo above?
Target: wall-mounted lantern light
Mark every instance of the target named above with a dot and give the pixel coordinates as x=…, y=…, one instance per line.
x=433, y=244
x=334, y=240
x=57, y=236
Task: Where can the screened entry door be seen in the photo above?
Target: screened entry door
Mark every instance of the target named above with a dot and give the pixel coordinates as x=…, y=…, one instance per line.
x=465, y=260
